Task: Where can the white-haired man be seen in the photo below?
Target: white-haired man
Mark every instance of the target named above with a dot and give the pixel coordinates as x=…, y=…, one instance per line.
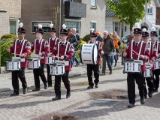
x=108, y=47
x=74, y=39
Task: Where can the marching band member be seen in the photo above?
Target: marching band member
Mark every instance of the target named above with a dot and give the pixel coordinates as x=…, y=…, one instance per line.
x=20, y=48
x=41, y=48
x=156, y=44
x=52, y=41
x=135, y=51
x=64, y=51
x=92, y=67
x=145, y=38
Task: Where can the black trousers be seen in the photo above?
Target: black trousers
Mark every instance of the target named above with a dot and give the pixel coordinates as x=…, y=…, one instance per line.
x=95, y=69
x=49, y=77
x=150, y=85
x=156, y=74
x=131, y=78
x=15, y=83
x=57, y=86
x=37, y=73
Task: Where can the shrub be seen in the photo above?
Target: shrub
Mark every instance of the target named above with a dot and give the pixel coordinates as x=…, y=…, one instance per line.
x=80, y=44
x=86, y=38
x=4, y=53
x=8, y=36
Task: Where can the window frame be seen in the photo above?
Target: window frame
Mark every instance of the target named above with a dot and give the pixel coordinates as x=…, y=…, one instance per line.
x=94, y=22
x=38, y=21
x=95, y=6
x=148, y=11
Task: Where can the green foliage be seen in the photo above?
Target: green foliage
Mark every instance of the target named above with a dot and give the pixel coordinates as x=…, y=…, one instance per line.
x=7, y=37
x=128, y=11
x=86, y=38
x=80, y=44
x=4, y=53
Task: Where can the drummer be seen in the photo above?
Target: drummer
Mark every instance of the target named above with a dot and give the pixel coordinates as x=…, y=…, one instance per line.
x=92, y=67
x=41, y=48
x=20, y=48
x=52, y=41
x=156, y=44
x=65, y=54
x=145, y=38
x=136, y=46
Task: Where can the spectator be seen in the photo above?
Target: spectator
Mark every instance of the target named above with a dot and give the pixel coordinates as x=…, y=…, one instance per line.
x=116, y=41
x=69, y=34
x=74, y=39
x=108, y=47
x=99, y=38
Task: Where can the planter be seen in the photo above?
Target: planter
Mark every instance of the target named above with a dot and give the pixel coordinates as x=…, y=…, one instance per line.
x=3, y=70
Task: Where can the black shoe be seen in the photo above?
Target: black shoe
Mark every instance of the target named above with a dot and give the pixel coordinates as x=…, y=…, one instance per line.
x=142, y=100
x=14, y=94
x=36, y=89
x=68, y=94
x=56, y=98
x=130, y=105
x=45, y=85
x=96, y=85
x=150, y=94
x=90, y=87
x=145, y=96
x=156, y=90
x=24, y=91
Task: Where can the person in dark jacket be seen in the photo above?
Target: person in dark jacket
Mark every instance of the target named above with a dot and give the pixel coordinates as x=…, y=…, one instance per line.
x=99, y=38
x=74, y=39
x=108, y=48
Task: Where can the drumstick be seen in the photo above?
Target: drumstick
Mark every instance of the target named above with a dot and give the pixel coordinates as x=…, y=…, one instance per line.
x=16, y=54
x=135, y=52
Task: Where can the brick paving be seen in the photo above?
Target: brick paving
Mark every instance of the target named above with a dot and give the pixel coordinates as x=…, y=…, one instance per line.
x=34, y=105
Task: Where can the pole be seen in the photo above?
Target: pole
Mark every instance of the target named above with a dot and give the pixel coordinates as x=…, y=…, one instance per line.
x=60, y=16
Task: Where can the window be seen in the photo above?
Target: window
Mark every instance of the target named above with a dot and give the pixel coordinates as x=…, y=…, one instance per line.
x=13, y=26
x=73, y=24
x=93, y=3
x=45, y=25
x=150, y=10
x=93, y=25
x=116, y=27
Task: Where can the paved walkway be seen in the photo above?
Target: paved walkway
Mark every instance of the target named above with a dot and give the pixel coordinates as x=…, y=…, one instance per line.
x=108, y=102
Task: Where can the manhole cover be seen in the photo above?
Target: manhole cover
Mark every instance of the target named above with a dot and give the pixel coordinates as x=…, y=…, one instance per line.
x=103, y=102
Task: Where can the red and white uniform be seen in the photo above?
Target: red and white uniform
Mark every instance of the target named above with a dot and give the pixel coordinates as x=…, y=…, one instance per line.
x=53, y=44
x=41, y=46
x=99, y=47
x=143, y=51
x=21, y=47
x=69, y=52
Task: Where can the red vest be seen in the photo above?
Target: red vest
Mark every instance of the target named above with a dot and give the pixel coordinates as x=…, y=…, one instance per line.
x=53, y=44
x=25, y=50
x=145, y=52
x=43, y=45
x=69, y=53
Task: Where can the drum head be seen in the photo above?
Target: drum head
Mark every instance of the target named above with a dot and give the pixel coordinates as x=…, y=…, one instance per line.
x=95, y=54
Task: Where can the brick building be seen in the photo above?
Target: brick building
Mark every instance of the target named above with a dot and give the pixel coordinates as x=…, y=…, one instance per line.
x=10, y=12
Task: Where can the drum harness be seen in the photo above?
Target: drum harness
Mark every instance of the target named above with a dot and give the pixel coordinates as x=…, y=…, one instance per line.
x=136, y=52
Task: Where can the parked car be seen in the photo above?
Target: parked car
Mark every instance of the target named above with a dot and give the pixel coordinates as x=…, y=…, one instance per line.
x=125, y=38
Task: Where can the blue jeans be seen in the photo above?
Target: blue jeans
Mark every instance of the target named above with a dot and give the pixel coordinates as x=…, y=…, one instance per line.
x=106, y=58
x=74, y=58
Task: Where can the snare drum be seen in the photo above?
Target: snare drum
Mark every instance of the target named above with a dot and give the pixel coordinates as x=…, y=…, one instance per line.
x=49, y=59
x=33, y=63
x=157, y=64
x=89, y=54
x=18, y=58
x=57, y=69
x=148, y=71
x=132, y=66
x=13, y=65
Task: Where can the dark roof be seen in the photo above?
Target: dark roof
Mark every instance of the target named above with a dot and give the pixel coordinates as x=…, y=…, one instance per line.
x=109, y=13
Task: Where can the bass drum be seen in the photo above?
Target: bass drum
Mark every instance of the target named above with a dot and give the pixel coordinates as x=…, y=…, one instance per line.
x=89, y=54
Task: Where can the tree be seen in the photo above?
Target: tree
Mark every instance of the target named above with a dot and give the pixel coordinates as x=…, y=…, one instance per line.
x=128, y=11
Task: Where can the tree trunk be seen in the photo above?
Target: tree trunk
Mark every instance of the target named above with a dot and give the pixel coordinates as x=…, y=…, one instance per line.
x=131, y=26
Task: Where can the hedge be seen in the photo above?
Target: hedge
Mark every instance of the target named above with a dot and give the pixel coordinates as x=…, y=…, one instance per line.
x=4, y=53
x=86, y=38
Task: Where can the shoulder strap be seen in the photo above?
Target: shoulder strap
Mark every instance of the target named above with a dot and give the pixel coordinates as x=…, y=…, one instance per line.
x=22, y=46
x=140, y=50
x=15, y=47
